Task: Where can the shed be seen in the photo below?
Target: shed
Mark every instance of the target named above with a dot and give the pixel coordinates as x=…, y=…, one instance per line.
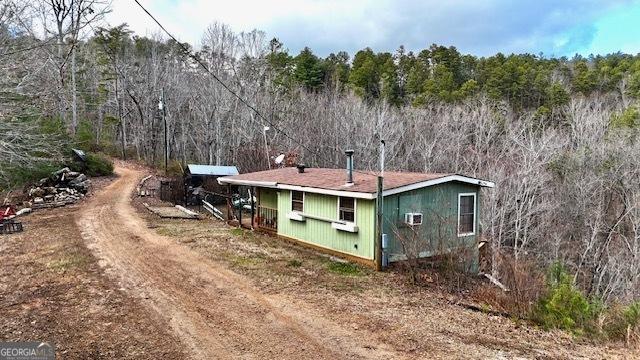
x=206, y=176
x=211, y=170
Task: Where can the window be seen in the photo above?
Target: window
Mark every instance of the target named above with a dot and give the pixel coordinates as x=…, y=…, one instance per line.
x=466, y=214
x=297, y=201
x=347, y=209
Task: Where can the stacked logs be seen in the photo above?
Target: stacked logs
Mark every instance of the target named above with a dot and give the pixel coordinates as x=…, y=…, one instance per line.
x=61, y=188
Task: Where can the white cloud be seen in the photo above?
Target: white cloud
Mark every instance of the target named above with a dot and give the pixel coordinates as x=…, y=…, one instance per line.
x=479, y=27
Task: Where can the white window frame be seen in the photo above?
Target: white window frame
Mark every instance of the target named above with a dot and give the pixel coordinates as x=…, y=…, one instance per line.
x=475, y=214
x=304, y=195
x=355, y=210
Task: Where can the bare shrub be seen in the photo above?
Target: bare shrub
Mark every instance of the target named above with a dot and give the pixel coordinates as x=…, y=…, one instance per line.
x=524, y=281
x=622, y=323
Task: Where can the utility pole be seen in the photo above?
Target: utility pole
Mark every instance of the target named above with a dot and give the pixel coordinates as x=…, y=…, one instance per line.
x=378, y=243
x=266, y=146
x=382, y=158
x=161, y=107
x=379, y=211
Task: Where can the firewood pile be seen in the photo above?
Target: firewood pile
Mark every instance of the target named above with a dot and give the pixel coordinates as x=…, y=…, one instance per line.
x=62, y=188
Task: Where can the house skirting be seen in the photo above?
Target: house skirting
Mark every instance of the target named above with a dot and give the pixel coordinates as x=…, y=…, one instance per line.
x=349, y=257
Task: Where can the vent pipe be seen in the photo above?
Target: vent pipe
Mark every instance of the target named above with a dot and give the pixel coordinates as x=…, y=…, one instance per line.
x=301, y=168
x=349, y=154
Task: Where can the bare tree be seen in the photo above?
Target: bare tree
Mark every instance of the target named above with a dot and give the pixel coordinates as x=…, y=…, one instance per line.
x=69, y=18
x=567, y=183
x=23, y=147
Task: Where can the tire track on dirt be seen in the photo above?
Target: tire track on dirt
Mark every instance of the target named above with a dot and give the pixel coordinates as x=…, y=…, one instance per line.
x=215, y=312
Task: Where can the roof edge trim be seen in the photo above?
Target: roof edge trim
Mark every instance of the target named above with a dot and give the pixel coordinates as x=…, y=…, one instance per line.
x=357, y=194
x=353, y=194
x=444, y=179
x=225, y=180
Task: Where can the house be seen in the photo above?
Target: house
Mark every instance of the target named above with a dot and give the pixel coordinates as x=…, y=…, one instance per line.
x=335, y=211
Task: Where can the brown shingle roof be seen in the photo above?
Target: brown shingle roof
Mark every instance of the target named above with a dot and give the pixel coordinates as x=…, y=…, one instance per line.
x=335, y=179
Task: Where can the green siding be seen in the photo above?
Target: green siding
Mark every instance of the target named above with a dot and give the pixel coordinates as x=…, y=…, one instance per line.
x=439, y=206
x=268, y=198
x=320, y=233
x=437, y=234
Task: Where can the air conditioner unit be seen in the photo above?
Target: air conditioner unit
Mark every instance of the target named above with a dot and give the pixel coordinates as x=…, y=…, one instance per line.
x=413, y=218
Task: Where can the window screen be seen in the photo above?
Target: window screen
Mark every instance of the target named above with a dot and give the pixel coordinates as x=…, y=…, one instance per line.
x=347, y=209
x=297, y=201
x=467, y=214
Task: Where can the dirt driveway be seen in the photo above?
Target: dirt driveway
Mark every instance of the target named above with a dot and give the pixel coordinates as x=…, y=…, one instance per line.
x=214, y=312
x=105, y=279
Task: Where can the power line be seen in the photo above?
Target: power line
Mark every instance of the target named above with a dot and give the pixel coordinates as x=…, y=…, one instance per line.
x=206, y=68
x=29, y=48
x=47, y=42
x=231, y=91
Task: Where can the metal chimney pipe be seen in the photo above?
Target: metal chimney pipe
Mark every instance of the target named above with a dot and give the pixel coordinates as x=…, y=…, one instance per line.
x=349, y=154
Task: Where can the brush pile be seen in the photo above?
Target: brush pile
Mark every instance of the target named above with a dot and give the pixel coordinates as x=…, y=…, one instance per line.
x=63, y=187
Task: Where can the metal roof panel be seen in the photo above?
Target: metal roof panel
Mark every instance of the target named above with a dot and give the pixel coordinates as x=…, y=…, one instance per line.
x=212, y=170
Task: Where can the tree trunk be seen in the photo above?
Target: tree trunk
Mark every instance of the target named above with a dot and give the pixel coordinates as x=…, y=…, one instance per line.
x=74, y=99
x=60, y=96
x=123, y=132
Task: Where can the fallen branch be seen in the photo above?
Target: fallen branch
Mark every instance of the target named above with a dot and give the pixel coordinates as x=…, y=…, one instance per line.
x=495, y=282
x=6, y=199
x=23, y=211
x=187, y=211
x=141, y=185
x=484, y=310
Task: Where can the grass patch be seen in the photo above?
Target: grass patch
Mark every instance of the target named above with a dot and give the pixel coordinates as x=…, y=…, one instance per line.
x=295, y=263
x=68, y=262
x=347, y=269
x=236, y=232
x=166, y=231
x=246, y=261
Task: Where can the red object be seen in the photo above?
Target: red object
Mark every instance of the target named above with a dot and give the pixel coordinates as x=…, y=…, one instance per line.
x=7, y=212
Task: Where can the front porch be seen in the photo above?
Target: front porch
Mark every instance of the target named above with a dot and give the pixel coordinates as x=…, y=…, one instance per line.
x=267, y=218
x=264, y=214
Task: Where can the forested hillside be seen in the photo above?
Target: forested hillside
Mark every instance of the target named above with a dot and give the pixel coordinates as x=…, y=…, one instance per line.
x=558, y=136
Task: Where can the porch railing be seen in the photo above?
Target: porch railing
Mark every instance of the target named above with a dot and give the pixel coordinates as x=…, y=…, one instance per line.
x=267, y=218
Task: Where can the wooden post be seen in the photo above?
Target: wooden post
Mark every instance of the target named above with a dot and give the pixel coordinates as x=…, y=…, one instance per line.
x=378, y=239
x=229, y=205
x=185, y=188
x=253, y=205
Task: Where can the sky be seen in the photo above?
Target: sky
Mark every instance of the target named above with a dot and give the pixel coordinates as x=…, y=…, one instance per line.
x=478, y=27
